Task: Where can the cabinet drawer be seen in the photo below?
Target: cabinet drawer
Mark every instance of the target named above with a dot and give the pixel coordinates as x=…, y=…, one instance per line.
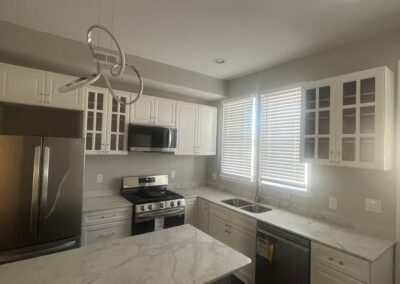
x=320, y=274
x=342, y=262
x=101, y=233
x=106, y=216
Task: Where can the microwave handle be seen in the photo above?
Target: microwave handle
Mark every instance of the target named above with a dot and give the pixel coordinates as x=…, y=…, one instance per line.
x=169, y=137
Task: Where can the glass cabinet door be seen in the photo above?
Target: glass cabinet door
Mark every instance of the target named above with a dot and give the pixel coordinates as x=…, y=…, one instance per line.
x=118, y=116
x=317, y=125
x=96, y=110
x=358, y=121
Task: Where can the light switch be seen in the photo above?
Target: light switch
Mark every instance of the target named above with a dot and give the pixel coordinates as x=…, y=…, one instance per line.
x=173, y=173
x=373, y=205
x=333, y=203
x=99, y=178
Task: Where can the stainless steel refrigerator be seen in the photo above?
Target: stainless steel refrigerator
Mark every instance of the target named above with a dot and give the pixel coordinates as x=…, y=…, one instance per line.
x=41, y=181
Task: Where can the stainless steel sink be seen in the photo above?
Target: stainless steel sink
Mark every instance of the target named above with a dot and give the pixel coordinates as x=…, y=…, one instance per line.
x=256, y=208
x=236, y=202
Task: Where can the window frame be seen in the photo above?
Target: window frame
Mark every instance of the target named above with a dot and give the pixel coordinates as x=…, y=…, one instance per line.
x=233, y=178
x=286, y=190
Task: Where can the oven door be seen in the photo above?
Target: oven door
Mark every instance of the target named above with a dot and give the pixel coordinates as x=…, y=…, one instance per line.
x=143, y=138
x=148, y=221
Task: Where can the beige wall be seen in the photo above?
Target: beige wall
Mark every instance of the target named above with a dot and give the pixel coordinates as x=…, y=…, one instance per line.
x=189, y=169
x=350, y=186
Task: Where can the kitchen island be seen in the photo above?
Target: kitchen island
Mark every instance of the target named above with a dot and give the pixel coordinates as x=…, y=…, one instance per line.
x=180, y=254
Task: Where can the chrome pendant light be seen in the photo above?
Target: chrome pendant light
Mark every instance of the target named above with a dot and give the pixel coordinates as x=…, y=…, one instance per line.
x=115, y=70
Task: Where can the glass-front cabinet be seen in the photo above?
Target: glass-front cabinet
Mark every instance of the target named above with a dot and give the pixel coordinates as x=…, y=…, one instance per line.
x=318, y=122
x=106, y=122
x=349, y=120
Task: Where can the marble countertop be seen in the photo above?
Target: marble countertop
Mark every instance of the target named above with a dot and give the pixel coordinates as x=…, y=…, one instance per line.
x=346, y=240
x=180, y=254
x=104, y=203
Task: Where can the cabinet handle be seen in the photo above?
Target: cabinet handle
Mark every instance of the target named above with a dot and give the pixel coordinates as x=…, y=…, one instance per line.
x=106, y=235
x=340, y=262
x=338, y=156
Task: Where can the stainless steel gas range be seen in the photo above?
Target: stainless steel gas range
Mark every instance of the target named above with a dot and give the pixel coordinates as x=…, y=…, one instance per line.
x=155, y=207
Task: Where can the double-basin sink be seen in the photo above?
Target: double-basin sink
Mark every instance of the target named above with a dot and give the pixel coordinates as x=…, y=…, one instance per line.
x=246, y=205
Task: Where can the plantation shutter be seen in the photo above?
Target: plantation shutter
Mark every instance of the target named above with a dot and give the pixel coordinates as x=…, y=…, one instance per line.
x=238, y=138
x=280, y=139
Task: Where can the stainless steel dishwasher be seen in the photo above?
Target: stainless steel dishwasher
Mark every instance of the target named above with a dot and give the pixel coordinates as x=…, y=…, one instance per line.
x=282, y=257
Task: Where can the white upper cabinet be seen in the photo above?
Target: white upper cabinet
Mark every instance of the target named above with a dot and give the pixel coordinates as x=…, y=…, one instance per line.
x=142, y=110
x=207, y=130
x=96, y=113
x=197, y=129
x=35, y=87
x=349, y=120
x=53, y=98
x=164, y=112
x=21, y=85
x=154, y=111
x=106, y=122
x=186, y=123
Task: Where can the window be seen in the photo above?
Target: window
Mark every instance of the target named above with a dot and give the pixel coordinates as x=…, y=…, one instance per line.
x=280, y=140
x=237, y=158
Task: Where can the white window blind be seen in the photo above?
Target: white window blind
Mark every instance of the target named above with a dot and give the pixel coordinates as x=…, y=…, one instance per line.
x=280, y=140
x=238, y=138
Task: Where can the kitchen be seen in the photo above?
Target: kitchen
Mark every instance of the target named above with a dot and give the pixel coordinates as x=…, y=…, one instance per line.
x=322, y=210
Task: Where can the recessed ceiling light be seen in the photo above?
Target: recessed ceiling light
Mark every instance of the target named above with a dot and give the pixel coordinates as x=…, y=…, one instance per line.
x=220, y=61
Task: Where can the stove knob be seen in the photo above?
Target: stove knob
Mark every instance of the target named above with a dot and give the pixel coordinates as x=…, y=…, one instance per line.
x=172, y=204
x=161, y=205
x=178, y=203
x=149, y=206
x=142, y=208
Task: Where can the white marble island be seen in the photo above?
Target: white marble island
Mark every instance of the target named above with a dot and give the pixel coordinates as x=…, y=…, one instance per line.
x=177, y=255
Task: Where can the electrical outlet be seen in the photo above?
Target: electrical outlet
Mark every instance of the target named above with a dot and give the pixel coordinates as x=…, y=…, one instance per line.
x=373, y=205
x=99, y=178
x=333, y=203
x=173, y=173
x=214, y=176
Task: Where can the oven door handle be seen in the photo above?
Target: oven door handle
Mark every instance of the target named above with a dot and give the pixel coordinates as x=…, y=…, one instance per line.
x=163, y=213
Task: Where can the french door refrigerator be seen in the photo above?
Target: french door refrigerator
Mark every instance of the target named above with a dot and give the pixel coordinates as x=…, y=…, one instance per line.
x=41, y=181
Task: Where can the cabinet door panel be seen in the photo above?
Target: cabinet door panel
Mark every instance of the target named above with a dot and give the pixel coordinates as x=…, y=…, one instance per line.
x=96, y=120
x=53, y=98
x=318, y=127
x=165, y=112
x=321, y=274
x=246, y=244
x=117, y=126
x=21, y=85
x=142, y=112
x=187, y=128
x=203, y=215
x=219, y=230
x=207, y=131
x=191, y=212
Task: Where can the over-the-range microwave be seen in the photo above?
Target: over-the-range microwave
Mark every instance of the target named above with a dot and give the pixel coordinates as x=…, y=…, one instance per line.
x=143, y=138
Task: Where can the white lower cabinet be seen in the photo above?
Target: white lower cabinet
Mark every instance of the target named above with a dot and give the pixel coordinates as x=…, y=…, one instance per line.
x=322, y=274
x=202, y=215
x=105, y=232
x=329, y=266
x=105, y=225
x=191, y=211
x=238, y=232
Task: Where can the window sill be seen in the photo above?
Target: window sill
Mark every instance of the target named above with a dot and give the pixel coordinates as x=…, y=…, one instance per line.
x=236, y=180
x=285, y=191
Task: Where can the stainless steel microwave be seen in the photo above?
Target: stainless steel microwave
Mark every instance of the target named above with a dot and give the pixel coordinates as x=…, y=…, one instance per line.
x=142, y=138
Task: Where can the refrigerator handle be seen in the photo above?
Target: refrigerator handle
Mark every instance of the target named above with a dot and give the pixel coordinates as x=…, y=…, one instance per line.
x=45, y=184
x=35, y=188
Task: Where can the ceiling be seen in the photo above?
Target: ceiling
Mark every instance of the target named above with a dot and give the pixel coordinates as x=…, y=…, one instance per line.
x=249, y=34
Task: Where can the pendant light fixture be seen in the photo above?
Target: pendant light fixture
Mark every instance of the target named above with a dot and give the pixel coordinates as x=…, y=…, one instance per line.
x=115, y=70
